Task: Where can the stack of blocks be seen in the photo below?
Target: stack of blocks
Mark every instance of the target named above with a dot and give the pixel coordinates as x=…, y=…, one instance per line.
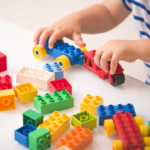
x=3, y=62
x=5, y=82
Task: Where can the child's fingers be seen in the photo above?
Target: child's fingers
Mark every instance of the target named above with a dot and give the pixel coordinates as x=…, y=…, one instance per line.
x=78, y=39
x=98, y=53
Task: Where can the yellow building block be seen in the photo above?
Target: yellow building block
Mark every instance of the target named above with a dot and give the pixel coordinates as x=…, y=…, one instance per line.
x=57, y=123
x=90, y=103
x=7, y=100
x=25, y=92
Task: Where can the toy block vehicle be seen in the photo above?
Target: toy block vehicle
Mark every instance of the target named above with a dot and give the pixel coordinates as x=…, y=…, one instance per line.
x=115, y=79
x=64, y=53
x=130, y=130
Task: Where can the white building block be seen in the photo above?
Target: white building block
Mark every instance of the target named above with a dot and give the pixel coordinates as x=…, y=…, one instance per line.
x=63, y=148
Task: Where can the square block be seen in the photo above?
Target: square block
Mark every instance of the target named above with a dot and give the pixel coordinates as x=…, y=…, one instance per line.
x=63, y=148
x=38, y=78
x=53, y=102
x=21, y=134
x=57, y=124
x=5, y=82
x=77, y=139
x=3, y=62
x=107, y=112
x=84, y=119
x=25, y=92
x=39, y=139
x=90, y=103
x=55, y=68
x=58, y=85
x=32, y=117
x=7, y=100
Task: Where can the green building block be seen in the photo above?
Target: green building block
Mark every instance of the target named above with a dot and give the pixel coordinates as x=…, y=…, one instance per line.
x=84, y=119
x=39, y=139
x=32, y=117
x=149, y=127
x=55, y=101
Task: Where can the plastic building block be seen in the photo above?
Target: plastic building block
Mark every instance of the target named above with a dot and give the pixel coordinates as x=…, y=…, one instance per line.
x=32, y=117
x=39, y=139
x=56, y=68
x=58, y=85
x=51, y=102
x=3, y=62
x=63, y=148
x=77, y=139
x=7, y=100
x=90, y=103
x=107, y=112
x=85, y=120
x=149, y=127
x=5, y=82
x=57, y=124
x=21, y=134
x=37, y=78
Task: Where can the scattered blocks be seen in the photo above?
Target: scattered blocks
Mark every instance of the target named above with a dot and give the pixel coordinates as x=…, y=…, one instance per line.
x=39, y=139
x=7, y=100
x=56, y=68
x=77, y=139
x=25, y=92
x=32, y=117
x=57, y=124
x=107, y=112
x=21, y=134
x=3, y=62
x=58, y=85
x=38, y=78
x=63, y=148
x=51, y=102
x=5, y=82
x=90, y=103
x=85, y=120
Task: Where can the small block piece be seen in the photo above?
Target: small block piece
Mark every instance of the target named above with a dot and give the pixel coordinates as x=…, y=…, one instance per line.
x=5, y=82
x=51, y=102
x=7, y=100
x=149, y=127
x=57, y=124
x=63, y=148
x=90, y=103
x=39, y=139
x=38, y=78
x=21, y=134
x=84, y=119
x=107, y=112
x=58, y=85
x=25, y=92
x=77, y=139
x=3, y=62
x=55, y=68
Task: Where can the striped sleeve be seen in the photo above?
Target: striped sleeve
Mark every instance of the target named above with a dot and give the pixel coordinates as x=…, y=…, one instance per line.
x=127, y=4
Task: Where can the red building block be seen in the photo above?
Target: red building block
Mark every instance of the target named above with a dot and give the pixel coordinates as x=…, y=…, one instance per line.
x=3, y=62
x=5, y=82
x=58, y=85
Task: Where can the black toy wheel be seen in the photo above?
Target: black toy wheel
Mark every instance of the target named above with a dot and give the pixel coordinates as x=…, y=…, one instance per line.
x=118, y=79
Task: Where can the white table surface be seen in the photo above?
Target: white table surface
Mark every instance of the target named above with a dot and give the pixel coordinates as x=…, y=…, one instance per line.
x=17, y=44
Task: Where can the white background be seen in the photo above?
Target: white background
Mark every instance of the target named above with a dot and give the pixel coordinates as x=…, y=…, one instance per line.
x=17, y=44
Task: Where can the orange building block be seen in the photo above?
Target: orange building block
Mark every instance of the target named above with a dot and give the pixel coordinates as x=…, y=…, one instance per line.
x=7, y=100
x=76, y=139
x=25, y=92
x=57, y=123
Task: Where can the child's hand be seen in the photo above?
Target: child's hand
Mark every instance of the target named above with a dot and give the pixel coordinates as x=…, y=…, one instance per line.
x=115, y=51
x=70, y=27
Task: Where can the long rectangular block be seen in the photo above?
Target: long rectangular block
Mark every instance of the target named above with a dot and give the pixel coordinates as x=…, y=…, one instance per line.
x=107, y=112
x=5, y=82
x=7, y=100
x=84, y=119
x=53, y=102
x=57, y=124
x=90, y=103
x=37, y=78
x=55, y=68
x=77, y=139
x=32, y=117
x=3, y=62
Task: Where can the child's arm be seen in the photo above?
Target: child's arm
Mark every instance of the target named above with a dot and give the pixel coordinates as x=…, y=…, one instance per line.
x=95, y=19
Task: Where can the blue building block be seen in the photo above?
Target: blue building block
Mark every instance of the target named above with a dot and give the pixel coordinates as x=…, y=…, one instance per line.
x=21, y=134
x=107, y=112
x=75, y=55
x=56, y=68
